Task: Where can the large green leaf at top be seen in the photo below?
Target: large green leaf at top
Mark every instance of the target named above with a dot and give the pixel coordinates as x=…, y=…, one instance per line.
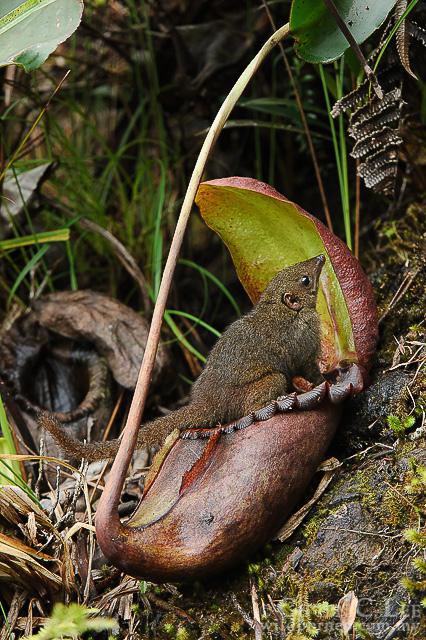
x=319, y=39
x=265, y=232
x=31, y=30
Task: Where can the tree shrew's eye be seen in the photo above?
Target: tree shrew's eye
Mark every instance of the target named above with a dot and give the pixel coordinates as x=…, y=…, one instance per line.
x=305, y=280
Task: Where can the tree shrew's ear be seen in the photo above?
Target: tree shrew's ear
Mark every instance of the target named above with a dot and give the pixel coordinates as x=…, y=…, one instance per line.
x=292, y=301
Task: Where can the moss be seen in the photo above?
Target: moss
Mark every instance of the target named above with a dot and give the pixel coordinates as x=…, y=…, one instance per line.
x=341, y=578
x=394, y=510
x=236, y=627
x=369, y=492
x=168, y=628
x=400, y=426
x=282, y=553
x=214, y=628
x=400, y=242
x=182, y=634
x=311, y=527
x=405, y=448
x=254, y=569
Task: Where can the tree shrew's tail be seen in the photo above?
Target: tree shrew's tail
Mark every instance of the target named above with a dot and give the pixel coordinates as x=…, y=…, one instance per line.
x=151, y=434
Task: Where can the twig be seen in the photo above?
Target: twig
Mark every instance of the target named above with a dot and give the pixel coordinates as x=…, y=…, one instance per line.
x=355, y=47
x=107, y=515
x=402, y=290
x=57, y=493
x=304, y=122
x=415, y=356
x=392, y=631
x=9, y=77
x=123, y=255
x=40, y=468
x=104, y=437
x=363, y=533
x=91, y=549
x=360, y=454
x=419, y=368
x=256, y=613
x=78, y=487
x=33, y=126
x=241, y=611
x=166, y=606
x=398, y=493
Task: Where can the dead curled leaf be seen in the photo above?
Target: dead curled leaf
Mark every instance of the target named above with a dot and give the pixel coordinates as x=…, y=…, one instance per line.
x=62, y=354
x=16, y=506
x=118, y=333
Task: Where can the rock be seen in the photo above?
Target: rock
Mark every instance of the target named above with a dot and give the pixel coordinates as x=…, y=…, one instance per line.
x=364, y=416
x=359, y=542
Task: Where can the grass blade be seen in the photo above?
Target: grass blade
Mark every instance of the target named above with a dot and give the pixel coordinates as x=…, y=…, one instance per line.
x=195, y=320
x=59, y=235
x=181, y=338
x=208, y=274
x=7, y=444
x=339, y=146
x=22, y=275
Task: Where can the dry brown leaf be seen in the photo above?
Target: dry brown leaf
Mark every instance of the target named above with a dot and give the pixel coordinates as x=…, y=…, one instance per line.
x=20, y=564
x=24, y=564
x=77, y=526
x=347, y=608
x=16, y=604
x=402, y=38
x=64, y=355
x=31, y=528
x=21, y=549
x=16, y=506
x=117, y=332
x=118, y=599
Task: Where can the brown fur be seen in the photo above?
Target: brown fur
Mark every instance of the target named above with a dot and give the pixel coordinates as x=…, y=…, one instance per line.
x=252, y=363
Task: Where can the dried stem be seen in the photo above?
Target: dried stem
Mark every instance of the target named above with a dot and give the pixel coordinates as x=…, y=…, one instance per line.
x=107, y=514
x=124, y=256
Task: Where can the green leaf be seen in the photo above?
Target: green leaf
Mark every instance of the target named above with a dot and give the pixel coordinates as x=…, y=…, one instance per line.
x=59, y=235
x=319, y=39
x=31, y=30
x=7, y=445
x=265, y=232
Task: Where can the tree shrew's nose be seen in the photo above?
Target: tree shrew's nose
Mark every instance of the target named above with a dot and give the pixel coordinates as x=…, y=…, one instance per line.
x=320, y=261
